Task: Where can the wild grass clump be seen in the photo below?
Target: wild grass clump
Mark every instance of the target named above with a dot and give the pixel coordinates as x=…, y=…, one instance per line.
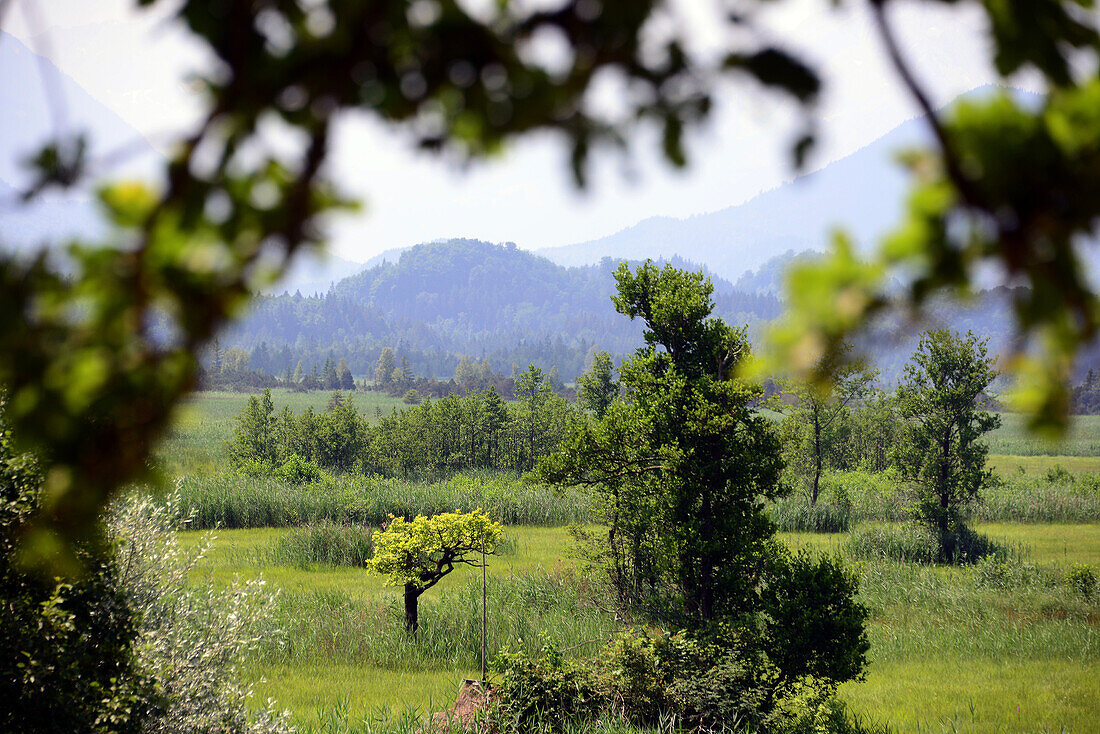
x=857, y=497
x=340, y=627
x=905, y=543
x=795, y=514
x=228, y=501
x=918, y=543
x=1058, y=498
x=323, y=544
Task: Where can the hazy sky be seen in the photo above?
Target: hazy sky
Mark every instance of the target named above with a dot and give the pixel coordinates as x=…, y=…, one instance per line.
x=137, y=64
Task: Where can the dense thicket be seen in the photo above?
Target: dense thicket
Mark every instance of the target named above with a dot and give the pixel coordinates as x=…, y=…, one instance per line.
x=437, y=437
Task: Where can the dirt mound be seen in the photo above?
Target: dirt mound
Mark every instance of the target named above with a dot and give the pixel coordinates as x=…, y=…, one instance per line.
x=467, y=714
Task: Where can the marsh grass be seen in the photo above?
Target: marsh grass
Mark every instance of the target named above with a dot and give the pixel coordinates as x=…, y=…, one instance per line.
x=856, y=498
x=323, y=544
x=950, y=646
x=526, y=611
x=250, y=502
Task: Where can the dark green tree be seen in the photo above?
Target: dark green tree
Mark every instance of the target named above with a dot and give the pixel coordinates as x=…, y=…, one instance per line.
x=329, y=379
x=65, y=648
x=254, y=441
x=941, y=450
x=597, y=387
x=683, y=466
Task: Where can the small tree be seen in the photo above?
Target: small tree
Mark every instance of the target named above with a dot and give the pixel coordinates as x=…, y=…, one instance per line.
x=344, y=376
x=597, y=387
x=383, y=371
x=812, y=428
x=417, y=554
x=940, y=451
x=255, y=438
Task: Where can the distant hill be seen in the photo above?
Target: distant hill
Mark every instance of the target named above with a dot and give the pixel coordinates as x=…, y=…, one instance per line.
x=862, y=192
x=315, y=273
x=444, y=299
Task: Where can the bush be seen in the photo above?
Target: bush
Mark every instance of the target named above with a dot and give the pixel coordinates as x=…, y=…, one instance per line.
x=544, y=690
x=1058, y=474
x=297, y=470
x=1082, y=578
x=715, y=680
x=191, y=640
x=411, y=397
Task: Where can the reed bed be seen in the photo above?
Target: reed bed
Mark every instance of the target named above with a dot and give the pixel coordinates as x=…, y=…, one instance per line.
x=249, y=502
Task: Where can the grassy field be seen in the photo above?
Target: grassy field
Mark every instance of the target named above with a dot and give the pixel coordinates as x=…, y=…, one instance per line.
x=1013, y=438
x=947, y=653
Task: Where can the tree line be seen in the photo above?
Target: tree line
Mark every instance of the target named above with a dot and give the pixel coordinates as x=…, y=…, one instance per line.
x=478, y=430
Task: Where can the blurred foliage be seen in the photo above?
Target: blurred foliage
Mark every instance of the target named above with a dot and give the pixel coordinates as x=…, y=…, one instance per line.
x=92, y=384
x=1011, y=185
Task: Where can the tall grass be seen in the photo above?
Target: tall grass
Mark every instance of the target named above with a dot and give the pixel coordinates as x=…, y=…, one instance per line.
x=322, y=544
x=246, y=502
x=525, y=611
x=854, y=498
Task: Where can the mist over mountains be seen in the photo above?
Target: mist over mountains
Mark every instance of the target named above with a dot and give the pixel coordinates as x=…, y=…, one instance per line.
x=440, y=300
x=436, y=301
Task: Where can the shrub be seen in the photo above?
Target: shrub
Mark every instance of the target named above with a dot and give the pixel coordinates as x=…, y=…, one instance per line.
x=1058, y=474
x=544, y=690
x=411, y=397
x=1082, y=578
x=191, y=640
x=297, y=470
x=714, y=680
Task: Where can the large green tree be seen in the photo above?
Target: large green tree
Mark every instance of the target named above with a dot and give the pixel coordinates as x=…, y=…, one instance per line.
x=941, y=450
x=683, y=464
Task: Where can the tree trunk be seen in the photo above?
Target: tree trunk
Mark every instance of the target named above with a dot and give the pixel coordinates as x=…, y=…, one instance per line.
x=817, y=460
x=412, y=597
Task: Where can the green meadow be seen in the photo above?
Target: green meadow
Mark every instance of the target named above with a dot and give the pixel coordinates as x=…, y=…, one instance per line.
x=952, y=648
x=946, y=650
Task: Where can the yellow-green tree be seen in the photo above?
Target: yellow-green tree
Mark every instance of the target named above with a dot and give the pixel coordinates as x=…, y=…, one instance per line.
x=417, y=555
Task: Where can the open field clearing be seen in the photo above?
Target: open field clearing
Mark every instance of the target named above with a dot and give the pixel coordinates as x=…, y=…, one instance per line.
x=1012, y=438
x=946, y=649
x=1009, y=466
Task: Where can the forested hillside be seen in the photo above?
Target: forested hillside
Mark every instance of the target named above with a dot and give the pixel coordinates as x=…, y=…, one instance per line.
x=445, y=299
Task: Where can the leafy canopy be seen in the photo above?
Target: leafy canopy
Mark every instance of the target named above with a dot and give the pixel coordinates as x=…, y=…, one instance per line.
x=424, y=550
x=941, y=451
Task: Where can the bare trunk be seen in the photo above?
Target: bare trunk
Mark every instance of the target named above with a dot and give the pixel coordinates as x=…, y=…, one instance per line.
x=412, y=619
